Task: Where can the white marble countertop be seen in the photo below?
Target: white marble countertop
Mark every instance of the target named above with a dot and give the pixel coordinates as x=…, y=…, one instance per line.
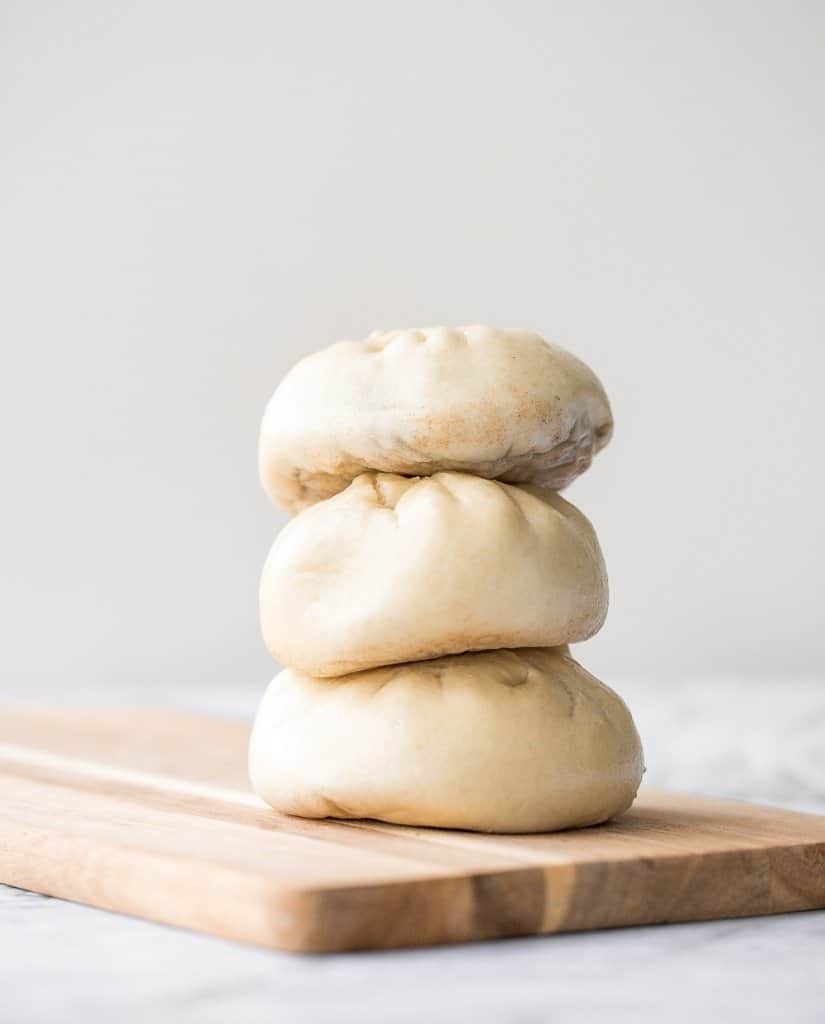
x=60, y=962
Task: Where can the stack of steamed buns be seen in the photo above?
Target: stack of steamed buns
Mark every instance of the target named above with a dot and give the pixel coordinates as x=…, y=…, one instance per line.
x=426, y=590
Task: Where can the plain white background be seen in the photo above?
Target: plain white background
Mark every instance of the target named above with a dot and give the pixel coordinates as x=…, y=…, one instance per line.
x=195, y=194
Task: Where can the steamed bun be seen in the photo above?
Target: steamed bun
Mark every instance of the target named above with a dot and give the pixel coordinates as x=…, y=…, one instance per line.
x=502, y=404
x=398, y=569
x=501, y=741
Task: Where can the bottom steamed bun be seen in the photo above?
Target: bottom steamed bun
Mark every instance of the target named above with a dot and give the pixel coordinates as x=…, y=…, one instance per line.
x=497, y=741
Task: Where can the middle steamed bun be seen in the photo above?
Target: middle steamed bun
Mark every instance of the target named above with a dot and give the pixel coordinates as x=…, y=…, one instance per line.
x=396, y=569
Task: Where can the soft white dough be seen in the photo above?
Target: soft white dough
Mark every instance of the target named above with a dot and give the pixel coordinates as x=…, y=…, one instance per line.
x=397, y=569
x=501, y=404
x=499, y=741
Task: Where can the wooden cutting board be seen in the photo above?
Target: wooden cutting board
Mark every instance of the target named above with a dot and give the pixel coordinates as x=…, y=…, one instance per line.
x=149, y=813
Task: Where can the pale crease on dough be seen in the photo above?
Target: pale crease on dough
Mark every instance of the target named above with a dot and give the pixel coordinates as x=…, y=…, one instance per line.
x=499, y=741
x=397, y=569
x=502, y=404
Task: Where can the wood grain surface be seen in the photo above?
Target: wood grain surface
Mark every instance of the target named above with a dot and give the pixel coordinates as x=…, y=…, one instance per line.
x=149, y=813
